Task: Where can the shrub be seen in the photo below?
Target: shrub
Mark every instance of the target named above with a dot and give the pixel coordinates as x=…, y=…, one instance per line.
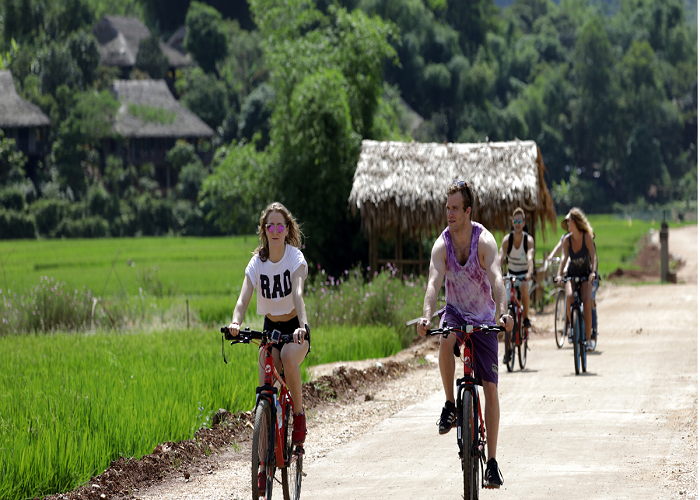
x=48, y=213
x=50, y=306
x=351, y=300
x=85, y=227
x=16, y=225
x=13, y=198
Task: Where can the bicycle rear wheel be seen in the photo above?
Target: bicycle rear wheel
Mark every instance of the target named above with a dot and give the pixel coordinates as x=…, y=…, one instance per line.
x=522, y=348
x=560, y=318
x=510, y=340
x=470, y=459
x=292, y=473
x=576, y=324
x=263, y=458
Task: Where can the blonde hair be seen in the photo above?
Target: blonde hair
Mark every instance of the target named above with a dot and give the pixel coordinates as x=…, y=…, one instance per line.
x=581, y=222
x=294, y=234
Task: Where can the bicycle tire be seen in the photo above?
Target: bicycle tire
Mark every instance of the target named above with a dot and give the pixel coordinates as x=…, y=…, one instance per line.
x=470, y=460
x=292, y=473
x=522, y=348
x=582, y=350
x=560, y=319
x=263, y=446
x=576, y=324
x=510, y=340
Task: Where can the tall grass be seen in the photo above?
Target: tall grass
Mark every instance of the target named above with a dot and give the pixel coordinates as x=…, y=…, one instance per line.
x=72, y=403
x=69, y=404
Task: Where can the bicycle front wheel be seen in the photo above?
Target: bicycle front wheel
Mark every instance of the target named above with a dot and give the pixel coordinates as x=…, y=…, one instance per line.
x=263, y=459
x=292, y=473
x=522, y=348
x=470, y=458
x=560, y=318
x=576, y=324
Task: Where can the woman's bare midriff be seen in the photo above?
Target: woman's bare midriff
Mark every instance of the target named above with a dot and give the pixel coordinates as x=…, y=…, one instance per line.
x=283, y=318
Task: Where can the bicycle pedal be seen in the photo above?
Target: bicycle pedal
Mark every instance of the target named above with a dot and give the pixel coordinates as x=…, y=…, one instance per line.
x=303, y=473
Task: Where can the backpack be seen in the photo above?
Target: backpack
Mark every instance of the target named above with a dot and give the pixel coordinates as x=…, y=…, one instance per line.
x=510, y=241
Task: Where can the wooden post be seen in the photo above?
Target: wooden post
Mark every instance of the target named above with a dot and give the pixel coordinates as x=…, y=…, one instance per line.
x=399, y=250
x=373, y=251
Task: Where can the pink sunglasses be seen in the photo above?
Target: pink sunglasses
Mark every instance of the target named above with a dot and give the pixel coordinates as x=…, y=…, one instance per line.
x=271, y=228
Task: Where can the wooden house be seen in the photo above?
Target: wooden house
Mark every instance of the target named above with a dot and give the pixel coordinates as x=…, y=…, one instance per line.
x=148, y=123
x=24, y=122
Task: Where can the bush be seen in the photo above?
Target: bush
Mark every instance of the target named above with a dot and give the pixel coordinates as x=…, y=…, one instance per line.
x=190, y=180
x=153, y=216
x=86, y=227
x=16, y=225
x=48, y=213
x=13, y=198
x=188, y=219
x=349, y=300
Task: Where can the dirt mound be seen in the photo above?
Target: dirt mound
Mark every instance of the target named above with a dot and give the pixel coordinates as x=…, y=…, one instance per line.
x=125, y=476
x=648, y=261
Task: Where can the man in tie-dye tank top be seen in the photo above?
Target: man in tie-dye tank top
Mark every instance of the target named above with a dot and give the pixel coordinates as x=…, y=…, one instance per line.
x=466, y=255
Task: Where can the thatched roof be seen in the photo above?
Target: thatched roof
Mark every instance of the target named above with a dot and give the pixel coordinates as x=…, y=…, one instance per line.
x=119, y=39
x=154, y=96
x=16, y=112
x=405, y=183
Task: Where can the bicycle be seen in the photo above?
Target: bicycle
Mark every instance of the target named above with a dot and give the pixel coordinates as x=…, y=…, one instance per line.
x=578, y=324
x=272, y=433
x=519, y=334
x=471, y=434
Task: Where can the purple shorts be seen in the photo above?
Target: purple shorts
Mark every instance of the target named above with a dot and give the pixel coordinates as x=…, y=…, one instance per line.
x=485, y=347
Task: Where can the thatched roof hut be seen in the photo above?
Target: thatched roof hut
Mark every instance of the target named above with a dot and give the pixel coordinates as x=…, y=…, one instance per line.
x=119, y=39
x=141, y=99
x=400, y=187
x=15, y=112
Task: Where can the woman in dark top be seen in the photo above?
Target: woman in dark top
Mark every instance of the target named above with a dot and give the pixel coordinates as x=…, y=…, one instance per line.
x=579, y=251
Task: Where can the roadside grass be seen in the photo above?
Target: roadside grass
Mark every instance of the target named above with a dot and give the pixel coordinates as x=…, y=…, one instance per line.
x=72, y=403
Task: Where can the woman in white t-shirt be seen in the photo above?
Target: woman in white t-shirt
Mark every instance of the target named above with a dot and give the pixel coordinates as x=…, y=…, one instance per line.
x=278, y=270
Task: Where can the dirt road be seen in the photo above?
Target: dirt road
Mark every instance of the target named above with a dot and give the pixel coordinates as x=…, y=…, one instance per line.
x=626, y=429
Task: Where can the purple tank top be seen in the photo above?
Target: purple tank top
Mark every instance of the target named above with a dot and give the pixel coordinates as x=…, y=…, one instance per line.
x=467, y=287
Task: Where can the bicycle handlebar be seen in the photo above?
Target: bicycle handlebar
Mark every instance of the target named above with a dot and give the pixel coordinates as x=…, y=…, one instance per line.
x=246, y=335
x=575, y=279
x=470, y=329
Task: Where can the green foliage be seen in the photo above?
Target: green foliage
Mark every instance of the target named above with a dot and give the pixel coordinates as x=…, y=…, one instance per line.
x=12, y=162
x=327, y=80
x=181, y=154
x=13, y=198
x=255, y=115
x=150, y=58
x=204, y=95
x=239, y=189
x=206, y=38
x=190, y=180
x=16, y=225
x=151, y=114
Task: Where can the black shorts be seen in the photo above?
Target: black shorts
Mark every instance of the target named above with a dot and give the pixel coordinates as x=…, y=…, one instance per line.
x=519, y=275
x=285, y=328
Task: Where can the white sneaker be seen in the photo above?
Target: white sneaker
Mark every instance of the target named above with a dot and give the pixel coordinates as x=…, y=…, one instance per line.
x=571, y=335
x=589, y=345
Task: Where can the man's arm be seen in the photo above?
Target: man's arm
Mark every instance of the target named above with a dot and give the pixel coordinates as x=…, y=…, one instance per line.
x=489, y=250
x=564, y=257
x=438, y=264
x=530, y=258
x=594, y=256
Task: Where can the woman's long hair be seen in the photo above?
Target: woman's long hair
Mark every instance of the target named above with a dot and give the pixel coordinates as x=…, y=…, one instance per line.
x=294, y=234
x=581, y=222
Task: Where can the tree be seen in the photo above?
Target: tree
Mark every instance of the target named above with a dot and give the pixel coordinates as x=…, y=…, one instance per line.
x=150, y=58
x=205, y=39
x=204, y=95
x=84, y=49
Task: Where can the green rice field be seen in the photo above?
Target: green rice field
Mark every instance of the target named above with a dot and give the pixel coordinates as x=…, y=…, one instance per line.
x=71, y=403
